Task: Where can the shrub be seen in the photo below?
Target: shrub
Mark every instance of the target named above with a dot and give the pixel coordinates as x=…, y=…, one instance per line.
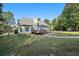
x=16, y=31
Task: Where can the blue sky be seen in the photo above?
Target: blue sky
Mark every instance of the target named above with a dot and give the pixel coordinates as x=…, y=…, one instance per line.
x=30, y=10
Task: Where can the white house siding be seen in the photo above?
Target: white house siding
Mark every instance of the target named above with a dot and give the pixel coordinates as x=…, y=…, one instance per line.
x=35, y=24
x=30, y=29
x=21, y=29
x=24, y=29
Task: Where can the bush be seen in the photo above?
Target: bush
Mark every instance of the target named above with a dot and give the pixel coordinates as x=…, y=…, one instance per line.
x=16, y=31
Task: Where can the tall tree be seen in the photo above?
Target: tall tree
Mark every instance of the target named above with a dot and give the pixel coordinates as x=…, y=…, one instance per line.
x=72, y=15
x=1, y=5
x=46, y=21
x=69, y=19
x=53, y=23
x=1, y=20
x=9, y=21
x=1, y=9
x=9, y=17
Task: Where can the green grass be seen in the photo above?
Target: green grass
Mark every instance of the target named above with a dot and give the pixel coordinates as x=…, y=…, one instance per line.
x=71, y=33
x=14, y=45
x=66, y=33
x=54, y=46
x=51, y=46
x=12, y=42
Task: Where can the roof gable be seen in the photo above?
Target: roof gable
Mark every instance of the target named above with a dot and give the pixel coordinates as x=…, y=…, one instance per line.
x=28, y=21
x=25, y=21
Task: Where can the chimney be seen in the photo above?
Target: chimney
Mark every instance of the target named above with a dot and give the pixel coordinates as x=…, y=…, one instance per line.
x=35, y=21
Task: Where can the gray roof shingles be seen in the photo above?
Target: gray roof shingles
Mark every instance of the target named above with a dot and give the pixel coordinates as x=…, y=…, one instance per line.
x=28, y=21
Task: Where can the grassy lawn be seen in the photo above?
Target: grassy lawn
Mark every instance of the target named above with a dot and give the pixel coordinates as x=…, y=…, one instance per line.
x=71, y=33
x=66, y=33
x=51, y=46
x=40, y=45
x=11, y=43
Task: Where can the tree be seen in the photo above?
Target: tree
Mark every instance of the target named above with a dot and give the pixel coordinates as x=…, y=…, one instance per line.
x=6, y=20
x=47, y=21
x=39, y=19
x=9, y=21
x=69, y=18
x=9, y=17
x=1, y=20
x=53, y=23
